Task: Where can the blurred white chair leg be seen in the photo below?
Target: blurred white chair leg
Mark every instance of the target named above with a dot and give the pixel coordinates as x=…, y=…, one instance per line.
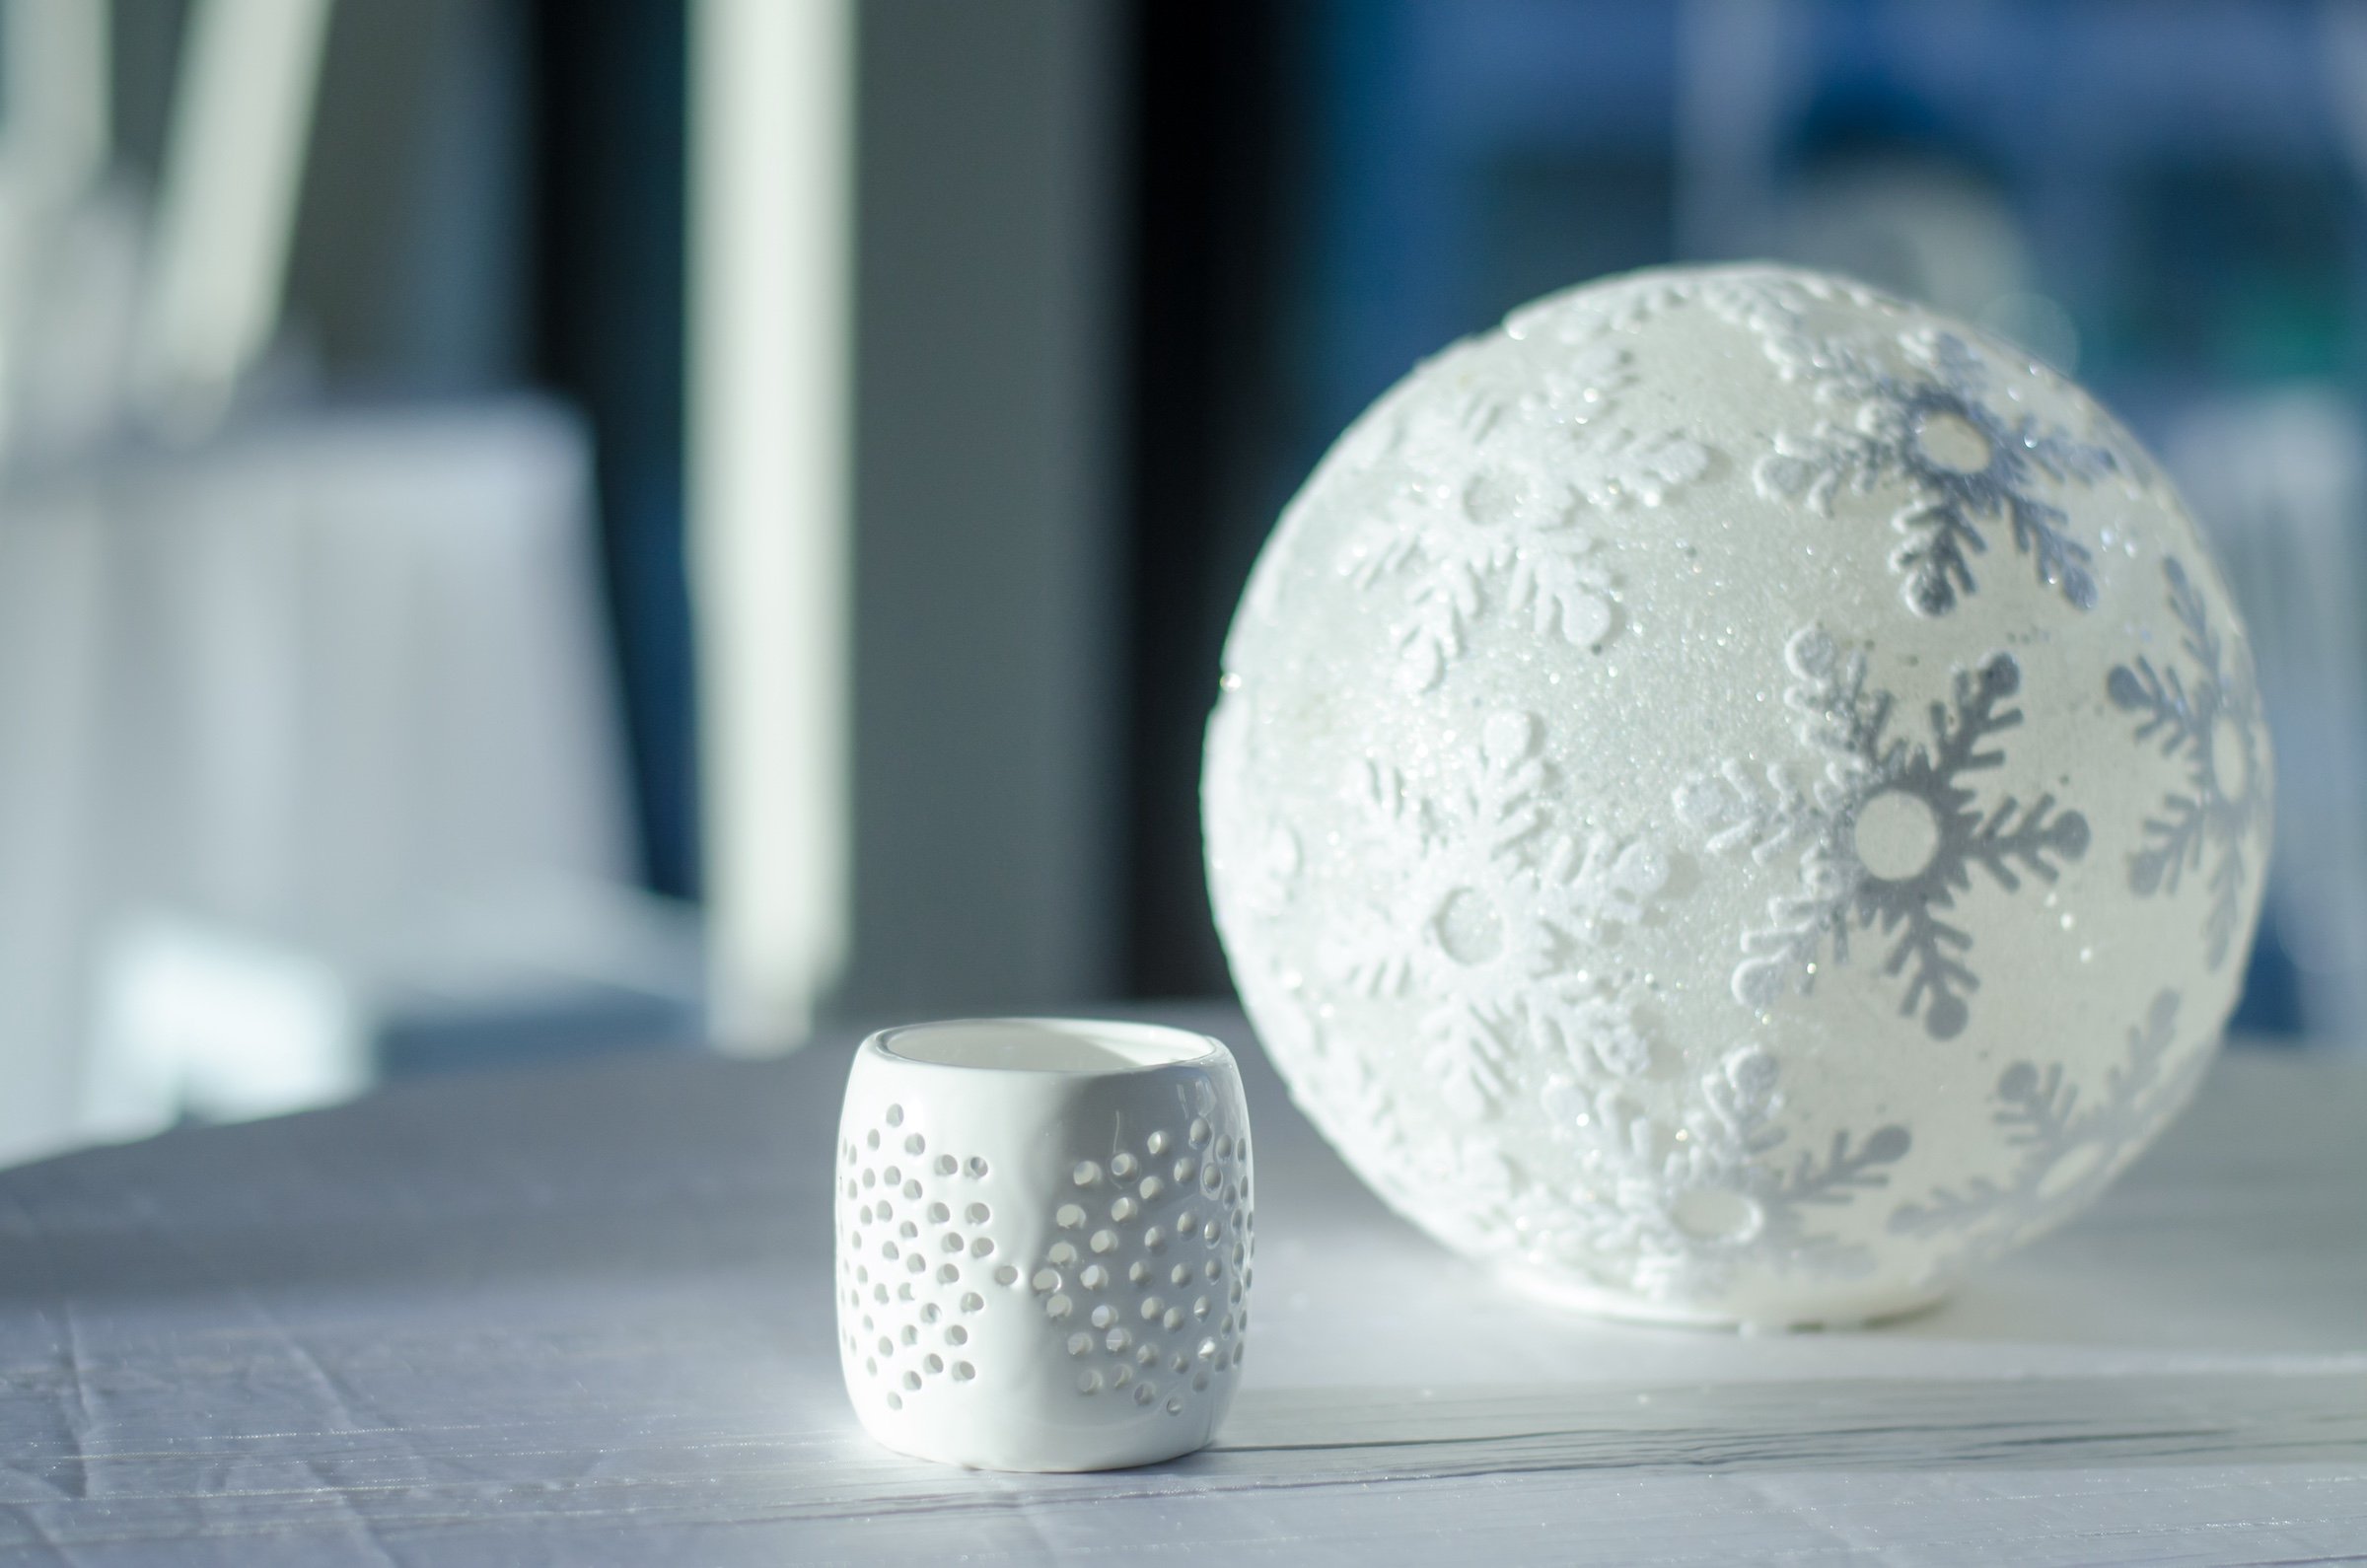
x=226, y=206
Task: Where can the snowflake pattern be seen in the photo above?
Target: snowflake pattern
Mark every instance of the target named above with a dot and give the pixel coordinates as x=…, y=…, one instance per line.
x=1483, y=530
x=1963, y=463
x=1273, y=874
x=1676, y=1208
x=2211, y=721
x=1338, y=1088
x=2069, y=1147
x=1501, y=920
x=1464, y=1183
x=1766, y=301
x=1921, y=786
x=1472, y=1025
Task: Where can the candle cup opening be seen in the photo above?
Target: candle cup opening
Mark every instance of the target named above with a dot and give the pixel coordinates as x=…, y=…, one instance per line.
x=1046, y=1045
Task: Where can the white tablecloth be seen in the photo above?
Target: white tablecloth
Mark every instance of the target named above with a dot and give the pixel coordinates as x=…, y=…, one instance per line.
x=584, y=1316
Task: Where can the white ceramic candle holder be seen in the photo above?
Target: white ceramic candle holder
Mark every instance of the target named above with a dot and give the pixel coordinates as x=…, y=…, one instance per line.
x=1043, y=1239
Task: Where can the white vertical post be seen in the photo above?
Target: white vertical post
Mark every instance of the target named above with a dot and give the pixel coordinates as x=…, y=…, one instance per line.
x=53, y=148
x=58, y=91
x=772, y=91
x=1733, y=76
x=226, y=217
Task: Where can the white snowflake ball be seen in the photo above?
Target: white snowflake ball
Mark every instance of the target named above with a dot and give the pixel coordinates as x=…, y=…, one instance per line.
x=1735, y=798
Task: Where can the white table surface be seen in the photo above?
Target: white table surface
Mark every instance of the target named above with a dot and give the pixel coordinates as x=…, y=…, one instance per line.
x=584, y=1316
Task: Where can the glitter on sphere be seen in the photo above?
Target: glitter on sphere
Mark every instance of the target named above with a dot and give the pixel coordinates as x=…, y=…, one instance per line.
x=1734, y=798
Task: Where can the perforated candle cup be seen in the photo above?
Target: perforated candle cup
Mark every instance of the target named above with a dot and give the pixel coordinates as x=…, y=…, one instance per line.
x=1044, y=1240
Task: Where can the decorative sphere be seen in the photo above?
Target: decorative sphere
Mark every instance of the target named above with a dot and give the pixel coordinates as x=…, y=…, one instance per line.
x=1735, y=798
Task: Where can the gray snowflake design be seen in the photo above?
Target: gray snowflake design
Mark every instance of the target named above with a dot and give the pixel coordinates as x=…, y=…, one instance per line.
x=1687, y=1204
x=2211, y=722
x=1902, y=877
x=2069, y=1146
x=1966, y=467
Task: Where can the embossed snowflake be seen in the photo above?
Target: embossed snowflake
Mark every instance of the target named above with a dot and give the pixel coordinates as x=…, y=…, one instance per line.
x=2069, y=1146
x=1888, y=837
x=1462, y=1183
x=1273, y=873
x=2211, y=721
x=1963, y=464
x=1336, y=1086
x=1499, y=918
x=1492, y=524
x=1682, y=1204
x=1768, y=301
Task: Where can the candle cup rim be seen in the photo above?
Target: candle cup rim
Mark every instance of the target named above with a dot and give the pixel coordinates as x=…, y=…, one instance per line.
x=1129, y=1047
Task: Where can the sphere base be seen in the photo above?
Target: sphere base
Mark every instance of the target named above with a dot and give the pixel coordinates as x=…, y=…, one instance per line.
x=1847, y=1310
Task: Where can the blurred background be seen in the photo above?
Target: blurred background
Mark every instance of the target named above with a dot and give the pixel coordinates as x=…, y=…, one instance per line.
x=530, y=528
